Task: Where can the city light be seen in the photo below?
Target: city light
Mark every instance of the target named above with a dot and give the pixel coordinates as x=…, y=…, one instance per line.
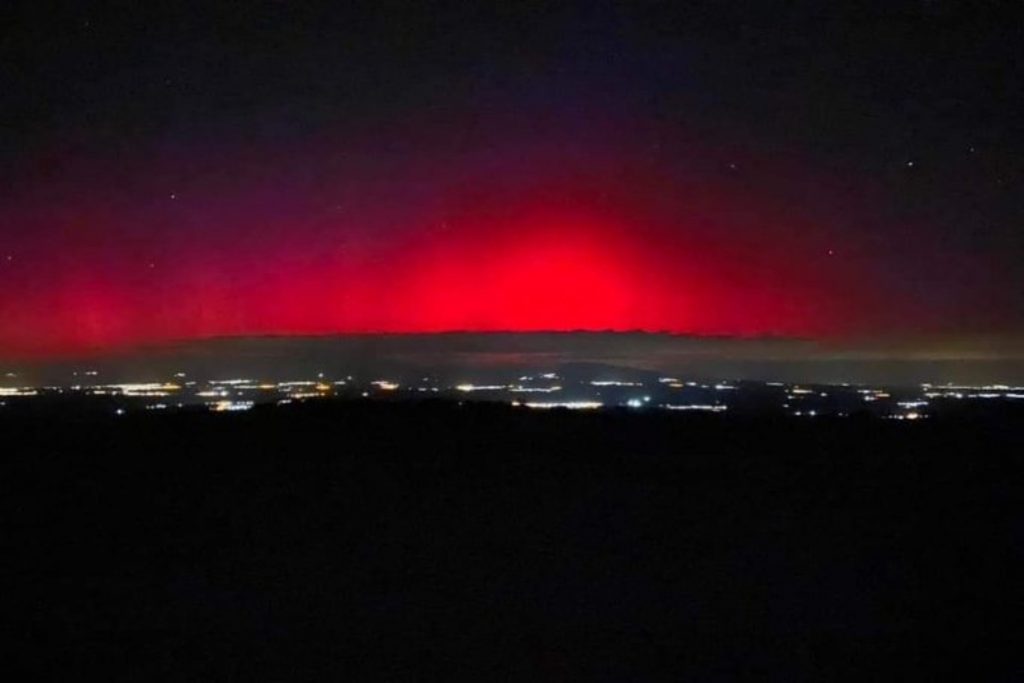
x=231, y=406
x=571, y=405
x=519, y=389
x=711, y=396
x=695, y=406
x=467, y=388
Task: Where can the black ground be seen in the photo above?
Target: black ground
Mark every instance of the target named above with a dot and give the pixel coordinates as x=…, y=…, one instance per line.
x=408, y=542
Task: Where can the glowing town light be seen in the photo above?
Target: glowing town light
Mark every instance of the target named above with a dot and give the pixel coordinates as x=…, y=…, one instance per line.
x=912, y=404
x=614, y=383
x=571, y=405
x=18, y=391
x=520, y=389
x=635, y=403
x=702, y=407
x=142, y=389
x=385, y=385
x=908, y=416
x=230, y=406
x=479, y=387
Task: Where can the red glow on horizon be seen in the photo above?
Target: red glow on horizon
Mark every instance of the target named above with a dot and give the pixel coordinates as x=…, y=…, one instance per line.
x=537, y=271
x=101, y=269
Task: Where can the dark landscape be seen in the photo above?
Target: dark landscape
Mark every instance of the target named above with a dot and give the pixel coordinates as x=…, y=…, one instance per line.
x=432, y=541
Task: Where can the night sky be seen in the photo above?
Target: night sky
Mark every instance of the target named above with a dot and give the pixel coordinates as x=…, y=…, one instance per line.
x=173, y=171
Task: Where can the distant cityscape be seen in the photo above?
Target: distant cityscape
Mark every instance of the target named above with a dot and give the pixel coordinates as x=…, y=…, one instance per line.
x=606, y=389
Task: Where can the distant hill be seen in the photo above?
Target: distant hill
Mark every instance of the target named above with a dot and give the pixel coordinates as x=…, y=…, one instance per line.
x=469, y=356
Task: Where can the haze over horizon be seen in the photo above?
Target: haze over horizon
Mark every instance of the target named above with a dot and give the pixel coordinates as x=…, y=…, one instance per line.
x=468, y=356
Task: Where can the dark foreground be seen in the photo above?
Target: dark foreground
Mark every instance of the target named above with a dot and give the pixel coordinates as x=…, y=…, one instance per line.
x=437, y=542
